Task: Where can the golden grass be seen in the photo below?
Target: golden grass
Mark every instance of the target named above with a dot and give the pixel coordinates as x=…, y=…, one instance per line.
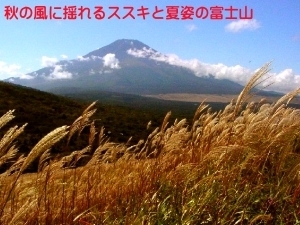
x=237, y=166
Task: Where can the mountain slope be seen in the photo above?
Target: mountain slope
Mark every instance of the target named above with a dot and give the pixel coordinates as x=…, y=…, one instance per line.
x=42, y=111
x=122, y=115
x=126, y=66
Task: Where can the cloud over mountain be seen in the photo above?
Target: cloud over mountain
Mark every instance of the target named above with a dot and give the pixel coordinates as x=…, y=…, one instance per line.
x=48, y=61
x=11, y=70
x=284, y=81
x=110, y=60
x=81, y=58
x=59, y=73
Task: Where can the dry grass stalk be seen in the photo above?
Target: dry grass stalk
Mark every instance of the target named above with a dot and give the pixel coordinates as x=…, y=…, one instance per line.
x=6, y=118
x=198, y=112
x=11, y=154
x=25, y=209
x=92, y=133
x=43, y=161
x=44, y=144
x=149, y=125
x=287, y=97
x=261, y=218
x=72, y=160
x=9, y=137
x=81, y=122
x=251, y=83
x=102, y=139
x=16, y=166
x=165, y=122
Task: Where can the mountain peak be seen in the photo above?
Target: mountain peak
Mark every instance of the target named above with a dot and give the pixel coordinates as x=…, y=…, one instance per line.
x=128, y=66
x=128, y=42
x=119, y=48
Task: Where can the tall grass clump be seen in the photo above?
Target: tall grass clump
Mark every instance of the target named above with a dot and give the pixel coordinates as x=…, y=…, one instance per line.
x=236, y=166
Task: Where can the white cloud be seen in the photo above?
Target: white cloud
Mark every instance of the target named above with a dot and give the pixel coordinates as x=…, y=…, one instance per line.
x=143, y=53
x=12, y=70
x=64, y=56
x=240, y=25
x=219, y=71
x=107, y=71
x=48, y=61
x=81, y=58
x=9, y=70
x=59, y=73
x=26, y=77
x=191, y=27
x=110, y=60
x=95, y=57
x=284, y=81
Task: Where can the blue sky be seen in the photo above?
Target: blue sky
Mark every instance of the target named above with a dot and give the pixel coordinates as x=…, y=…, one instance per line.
x=231, y=49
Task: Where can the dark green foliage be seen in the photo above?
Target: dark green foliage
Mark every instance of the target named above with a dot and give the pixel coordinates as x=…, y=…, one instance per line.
x=123, y=116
